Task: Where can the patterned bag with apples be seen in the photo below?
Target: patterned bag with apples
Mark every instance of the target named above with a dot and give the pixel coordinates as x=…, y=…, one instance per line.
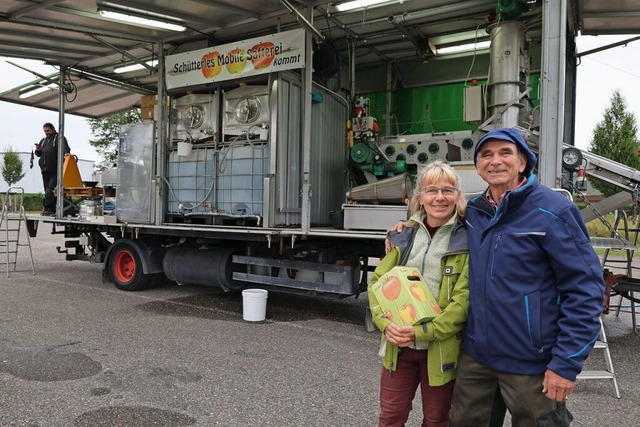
x=404, y=297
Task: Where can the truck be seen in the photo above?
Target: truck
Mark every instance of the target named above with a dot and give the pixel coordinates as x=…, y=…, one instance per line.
x=249, y=170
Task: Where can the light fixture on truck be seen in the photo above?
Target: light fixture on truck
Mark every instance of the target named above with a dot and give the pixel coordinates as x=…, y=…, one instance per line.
x=358, y=4
x=129, y=17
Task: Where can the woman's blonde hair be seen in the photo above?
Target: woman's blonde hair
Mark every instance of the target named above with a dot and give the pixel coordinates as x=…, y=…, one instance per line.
x=433, y=172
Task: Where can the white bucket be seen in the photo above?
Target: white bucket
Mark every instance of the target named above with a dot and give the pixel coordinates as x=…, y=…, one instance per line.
x=184, y=149
x=254, y=305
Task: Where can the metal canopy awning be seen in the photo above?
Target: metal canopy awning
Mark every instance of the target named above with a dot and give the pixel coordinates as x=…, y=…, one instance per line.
x=599, y=17
x=71, y=33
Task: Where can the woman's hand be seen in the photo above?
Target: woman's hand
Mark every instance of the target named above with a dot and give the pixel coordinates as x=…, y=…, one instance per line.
x=402, y=336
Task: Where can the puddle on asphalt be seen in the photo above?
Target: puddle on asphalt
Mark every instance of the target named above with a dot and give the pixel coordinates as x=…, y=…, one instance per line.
x=139, y=416
x=125, y=380
x=199, y=306
x=45, y=363
x=100, y=391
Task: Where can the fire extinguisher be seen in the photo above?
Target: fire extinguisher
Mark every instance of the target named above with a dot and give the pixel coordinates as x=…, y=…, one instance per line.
x=581, y=180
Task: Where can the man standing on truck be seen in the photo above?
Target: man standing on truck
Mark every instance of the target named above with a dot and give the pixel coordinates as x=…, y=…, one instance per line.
x=47, y=151
x=536, y=292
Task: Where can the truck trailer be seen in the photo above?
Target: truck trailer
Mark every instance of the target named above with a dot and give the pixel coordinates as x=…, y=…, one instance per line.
x=275, y=157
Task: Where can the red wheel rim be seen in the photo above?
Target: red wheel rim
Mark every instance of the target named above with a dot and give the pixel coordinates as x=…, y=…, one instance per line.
x=124, y=267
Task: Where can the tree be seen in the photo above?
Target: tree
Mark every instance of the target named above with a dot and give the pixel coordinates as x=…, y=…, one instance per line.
x=615, y=138
x=106, y=130
x=12, y=167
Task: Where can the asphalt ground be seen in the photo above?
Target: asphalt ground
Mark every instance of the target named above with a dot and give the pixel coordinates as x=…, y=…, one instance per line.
x=75, y=351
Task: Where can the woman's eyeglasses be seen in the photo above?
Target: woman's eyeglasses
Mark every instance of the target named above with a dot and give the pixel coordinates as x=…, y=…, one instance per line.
x=433, y=191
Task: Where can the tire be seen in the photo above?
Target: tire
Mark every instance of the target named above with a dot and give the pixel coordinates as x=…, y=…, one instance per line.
x=125, y=268
x=571, y=158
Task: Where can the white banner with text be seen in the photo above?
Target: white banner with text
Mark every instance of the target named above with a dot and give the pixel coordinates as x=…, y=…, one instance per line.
x=260, y=55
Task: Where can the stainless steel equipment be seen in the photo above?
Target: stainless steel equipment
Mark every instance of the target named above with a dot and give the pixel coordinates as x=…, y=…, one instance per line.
x=195, y=118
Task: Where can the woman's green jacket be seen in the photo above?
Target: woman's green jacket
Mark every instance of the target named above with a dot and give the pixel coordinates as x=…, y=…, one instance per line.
x=444, y=332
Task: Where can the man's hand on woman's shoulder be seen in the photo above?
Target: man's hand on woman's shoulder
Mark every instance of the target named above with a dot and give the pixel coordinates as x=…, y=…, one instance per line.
x=398, y=227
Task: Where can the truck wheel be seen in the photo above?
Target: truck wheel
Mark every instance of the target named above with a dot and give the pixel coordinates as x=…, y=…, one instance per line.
x=125, y=269
x=571, y=158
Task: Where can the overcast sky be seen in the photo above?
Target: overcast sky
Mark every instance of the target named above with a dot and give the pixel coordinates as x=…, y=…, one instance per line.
x=22, y=126
x=598, y=75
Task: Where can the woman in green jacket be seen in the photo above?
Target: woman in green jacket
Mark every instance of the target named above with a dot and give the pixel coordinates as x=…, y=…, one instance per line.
x=435, y=241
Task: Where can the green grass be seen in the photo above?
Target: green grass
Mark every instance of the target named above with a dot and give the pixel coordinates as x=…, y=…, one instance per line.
x=30, y=202
x=597, y=228
x=33, y=202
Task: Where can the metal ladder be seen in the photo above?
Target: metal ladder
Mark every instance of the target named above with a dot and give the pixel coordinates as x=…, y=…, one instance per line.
x=607, y=374
x=11, y=224
x=630, y=235
x=626, y=264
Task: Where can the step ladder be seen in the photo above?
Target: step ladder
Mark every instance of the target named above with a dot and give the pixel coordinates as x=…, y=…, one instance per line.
x=607, y=374
x=631, y=234
x=11, y=223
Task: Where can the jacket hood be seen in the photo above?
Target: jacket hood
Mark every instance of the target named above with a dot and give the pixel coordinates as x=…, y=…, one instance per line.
x=510, y=135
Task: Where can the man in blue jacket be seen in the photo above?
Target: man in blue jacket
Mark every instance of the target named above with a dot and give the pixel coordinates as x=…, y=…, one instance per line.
x=536, y=292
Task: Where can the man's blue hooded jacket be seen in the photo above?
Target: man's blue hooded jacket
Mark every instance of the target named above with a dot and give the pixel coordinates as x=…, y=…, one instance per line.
x=536, y=286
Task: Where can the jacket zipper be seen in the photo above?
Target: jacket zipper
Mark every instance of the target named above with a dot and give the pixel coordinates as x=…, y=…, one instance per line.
x=493, y=255
x=424, y=258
